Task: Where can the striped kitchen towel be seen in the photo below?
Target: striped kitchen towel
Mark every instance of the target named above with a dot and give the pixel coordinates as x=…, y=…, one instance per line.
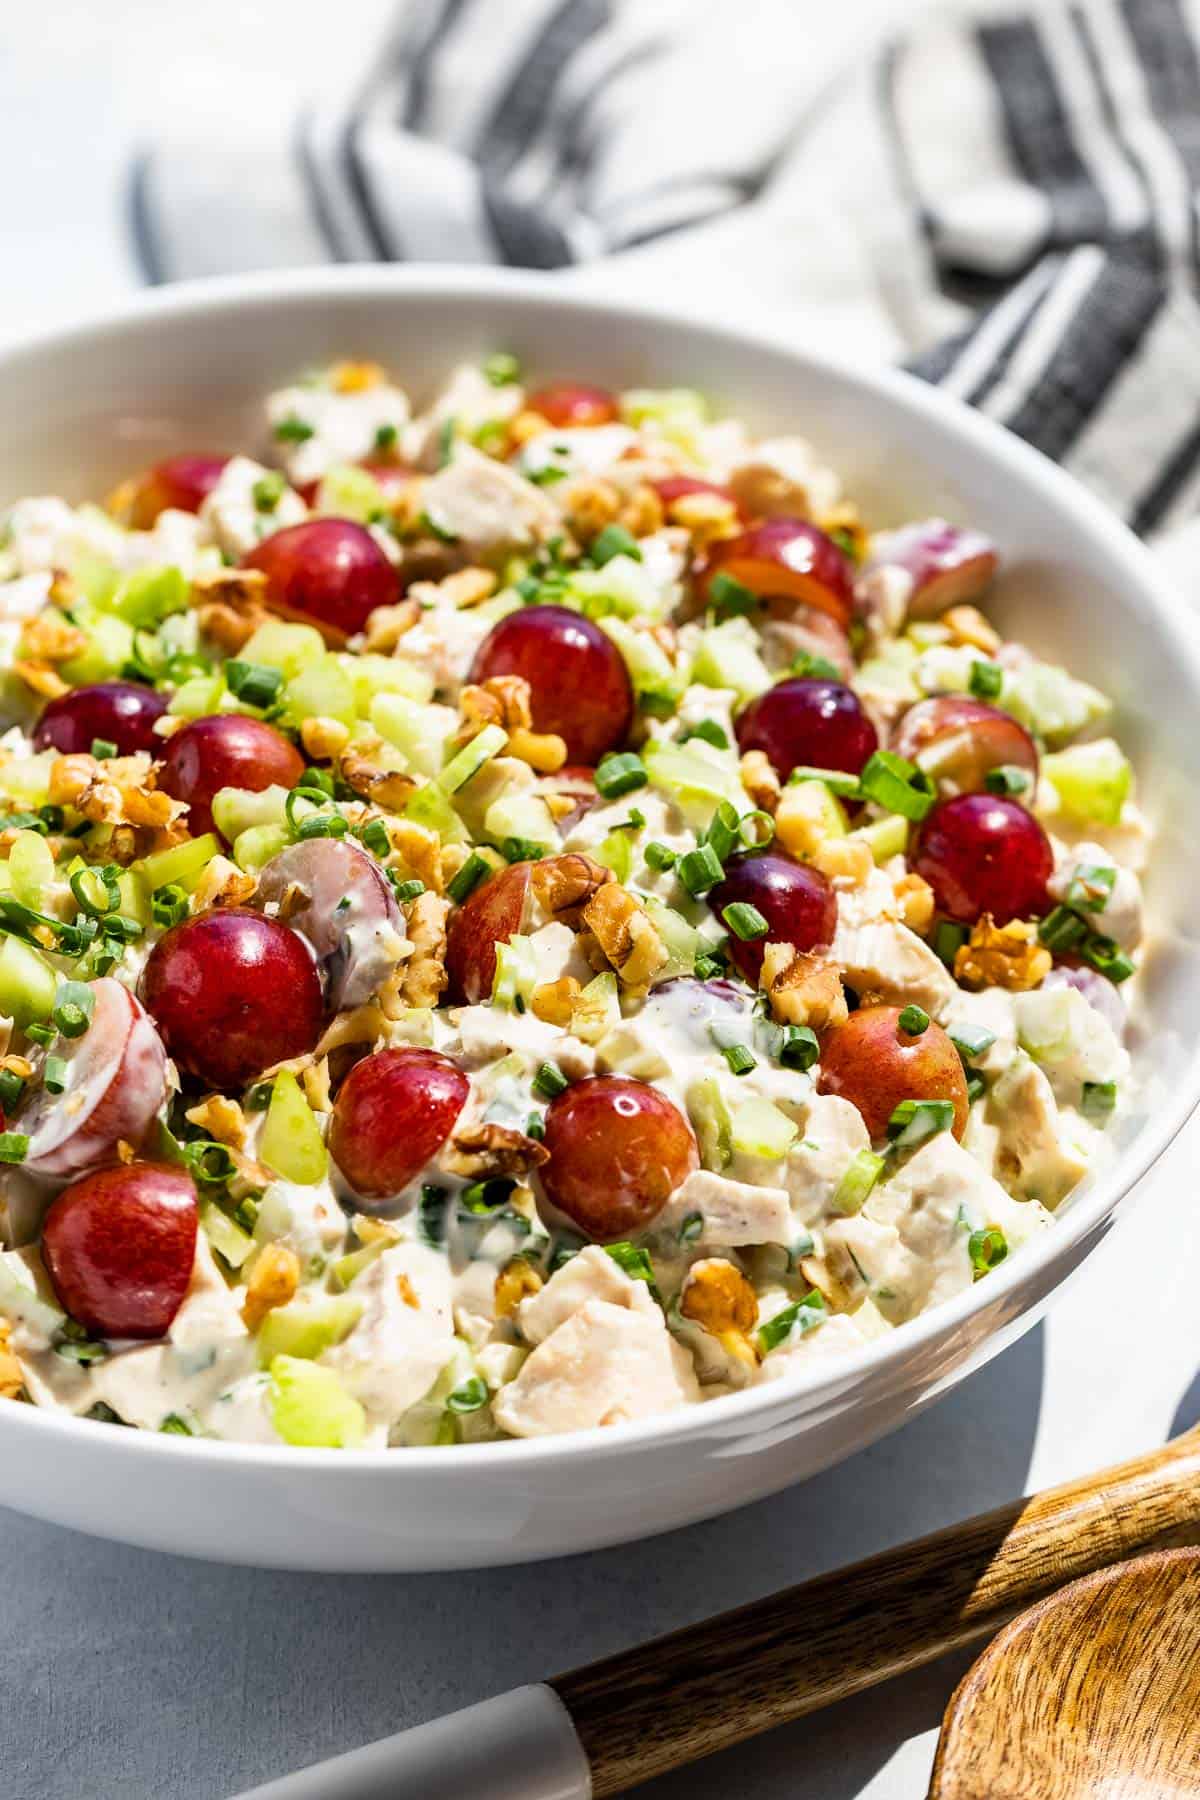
x=1007, y=203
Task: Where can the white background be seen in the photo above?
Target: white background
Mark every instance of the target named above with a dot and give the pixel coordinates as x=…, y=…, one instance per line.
x=127, y=1676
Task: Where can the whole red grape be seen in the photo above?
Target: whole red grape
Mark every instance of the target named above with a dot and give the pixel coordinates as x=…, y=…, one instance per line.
x=342, y=904
x=181, y=483
x=329, y=572
x=875, y=1065
x=114, y=1082
x=568, y=404
x=491, y=915
x=796, y=900
x=225, y=750
x=980, y=855
x=808, y=722
x=784, y=561
x=959, y=741
x=233, y=993
x=118, y=712
x=393, y=1113
x=618, y=1150
x=578, y=683
x=119, y=1246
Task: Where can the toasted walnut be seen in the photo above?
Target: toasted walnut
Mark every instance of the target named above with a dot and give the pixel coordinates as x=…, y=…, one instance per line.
x=517, y=1281
x=468, y=587
x=315, y=1082
x=642, y=512
x=369, y=1230
x=222, y=884
x=361, y=1025
x=759, y=780
x=817, y=1272
x=40, y=679
x=51, y=639
x=230, y=605
x=116, y=792
x=967, y=625
x=501, y=700
x=802, y=818
x=12, y=1381
x=220, y=1119
x=844, y=860
x=273, y=1281
x=368, y=776
x=481, y=1152
x=544, y=751
x=554, y=1001
x=423, y=977
x=1007, y=956
x=588, y=505
x=562, y=884
x=842, y=523
x=707, y=518
x=526, y=425
x=717, y=1297
x=914, y=899
x=803, y=990
x=388, y=624
x=323, y=738
x=625, y=934
x=356, y=377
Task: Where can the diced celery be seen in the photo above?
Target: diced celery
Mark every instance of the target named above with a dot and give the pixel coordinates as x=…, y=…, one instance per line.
x=624, y=1049
x=307, y=1327
x=147, y=596
x=711, y=1122
x=678, y=413
x=616, y=853
x=323, y=692
x=821, y=804
x=254, y=847
x=597, y=1010
x=349, y=492
x=291, y=1141
x=892, y=670
x=225, y=1235
x=275, y=1217
x=30, y=868
x=728, y=658
x=467, y=763
x=516, y=973
x=135, y=902
x=623, y=586
x=309, y=1406
x=521, y=815
x=374, y=675
x=348, y=1268
x=419, y=731
x=657, y=683
x=1092, y=781
x=430, y=807
x=181, y=866
x=196, y=698
x=235, y=810
x=110, y=645
x=27, y=983
x=1052, y=703
x=289, y=648
x=682, y=942
x=21, y=1302
x=696, y=777
x=885, y=838
x=870, y=1321
x=759, y=1128
x=499, y=606
x=27, y=778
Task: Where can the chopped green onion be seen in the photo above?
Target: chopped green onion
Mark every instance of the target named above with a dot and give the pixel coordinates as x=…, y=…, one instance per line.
x=406, y=890
x=700, y=869
x=1091, y=887
x=521, y=849
x=802, y=1316
x=431, y=1216
x=846, y=787
x=614, y=540
x=73, y=1008
x=76, y=1350
x=852, y=1191
x=469, y=1397
x=732, y=599
x=168, y=904
x=913, y=1020
x=1008, y=779
x=535, y=1127
x=1061, y=929
x=385, y=438
x=259, y=1097
x=501, y=368
x=976, y=1088
x=547, y=475
x=970, y=1040
x=549, y=1081
x=915, y=1120
x=11, y=1088
x=1099, y=1099
x=374, y=835
x=987, y=678
x=323, y=825
x=745, y=921
x=14, y=1146
x=41, y=1034
x=620, y=773
x=659, y=856
x=103, y=749
x=948, y=940
x=633, y=1260
x=1106, y=957
x=253, y=683
x=175, y=1426
x=756, y=829
x=208, y=1160
x=740, y=1059
x=722, y=830
x=692, y=1228
x=96, y=890
x=814, y=668
x=51, y=817
x=292, y=431
x=986, y=1248
x=799, y=1048
x=897, y=785
x=707, y=968
x=268, y=491
x=54, y=1074
x=485, y=1196
x=473, y=871
x=710, y=731
x=320, y=781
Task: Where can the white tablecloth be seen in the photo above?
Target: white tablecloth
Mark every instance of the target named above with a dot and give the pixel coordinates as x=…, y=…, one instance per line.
x=126, y=1676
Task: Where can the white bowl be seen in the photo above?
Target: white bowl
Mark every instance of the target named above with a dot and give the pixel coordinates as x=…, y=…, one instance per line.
x=187, y=368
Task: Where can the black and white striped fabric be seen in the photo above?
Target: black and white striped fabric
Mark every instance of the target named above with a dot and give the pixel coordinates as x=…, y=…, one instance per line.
x=1008, y=205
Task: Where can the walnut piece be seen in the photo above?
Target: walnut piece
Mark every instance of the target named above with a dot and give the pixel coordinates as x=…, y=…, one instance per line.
x=420, y=852
x=220, y=1119
x=707, y=518
x=625, y=933
x=759, y=780
x=1007, y=956
x=968, y=626
x=231, y=605
x=914, y=898
x=50, y=638
x=717, y=1297
x=363, y=770
x=842, y=859
x=642, y=512
x=388, y=624
x=324, y=738
x=554, y=1001
x=12, y=1382
x=803, y=990
x=222, y=884
x=517, y=1281
x=273, y=1281
x=419, y=981
x=563, y=884
x=588, y=505
x=481, y=1152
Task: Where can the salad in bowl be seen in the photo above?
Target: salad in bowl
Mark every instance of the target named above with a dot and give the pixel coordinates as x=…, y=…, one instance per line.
x=524, y=915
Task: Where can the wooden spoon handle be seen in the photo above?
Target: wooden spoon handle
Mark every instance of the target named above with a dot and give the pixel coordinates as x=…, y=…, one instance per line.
x=699, y=1690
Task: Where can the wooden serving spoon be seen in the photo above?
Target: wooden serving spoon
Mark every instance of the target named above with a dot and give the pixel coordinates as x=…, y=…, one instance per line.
x=606, y=1728
x=1093, y=1692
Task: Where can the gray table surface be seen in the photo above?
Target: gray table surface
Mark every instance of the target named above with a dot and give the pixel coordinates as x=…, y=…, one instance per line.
x=129, y=1676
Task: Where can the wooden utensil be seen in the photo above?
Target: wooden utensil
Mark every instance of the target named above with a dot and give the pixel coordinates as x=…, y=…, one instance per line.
x=670, y=1702
x=1093, y=1692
